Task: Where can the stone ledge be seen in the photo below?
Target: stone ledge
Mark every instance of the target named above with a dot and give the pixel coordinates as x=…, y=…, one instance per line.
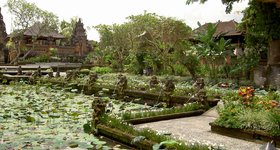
x=165, y=117
x=245, y=134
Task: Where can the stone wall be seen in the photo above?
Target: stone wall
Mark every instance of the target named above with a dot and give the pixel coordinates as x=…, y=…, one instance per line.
x=268, y=76
x=273, y=74
x=2, y=58
x=259, y=76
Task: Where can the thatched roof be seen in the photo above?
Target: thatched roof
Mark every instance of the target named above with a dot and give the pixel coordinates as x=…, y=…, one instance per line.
x=224, y=28
x=38, y=30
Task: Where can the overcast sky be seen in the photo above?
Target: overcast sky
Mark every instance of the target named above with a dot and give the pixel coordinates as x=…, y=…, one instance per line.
x=94, y=12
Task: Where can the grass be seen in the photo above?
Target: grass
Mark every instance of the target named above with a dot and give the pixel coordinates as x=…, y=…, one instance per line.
x=164, y=111
x=118, y=123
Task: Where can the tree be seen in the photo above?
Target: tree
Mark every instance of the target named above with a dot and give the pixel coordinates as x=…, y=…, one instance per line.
x=26, y=15
x=103, y=52
x=211, y=48
x=157, y=40
x=146, y=41
x=261, y=25
x=66, y=28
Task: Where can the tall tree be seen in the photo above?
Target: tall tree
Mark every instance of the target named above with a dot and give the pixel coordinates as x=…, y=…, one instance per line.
x=145, y=41
x=66, y=28
x=211, y=48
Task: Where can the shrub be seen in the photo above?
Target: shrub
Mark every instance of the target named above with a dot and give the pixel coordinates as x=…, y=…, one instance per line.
x=102, y=70
x=42, y=58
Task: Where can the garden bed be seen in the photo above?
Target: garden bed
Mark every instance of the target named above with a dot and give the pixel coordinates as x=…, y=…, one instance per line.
x=165, y=117
x=251, y=135
x=146, y=97
x=125, y=138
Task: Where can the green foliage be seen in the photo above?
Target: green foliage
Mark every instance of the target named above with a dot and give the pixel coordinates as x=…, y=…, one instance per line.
x=171, y=144
x=259, y=21
x=102, y=70
x=274, y=117
x=27, y=14
x=258, y=115
x=246, y=62
x=179, y=69
x=145, y=41
x=38, y=117
x=211, y=48
x=164, y=111
x=67, y=28
x=36, y=59
x=149, y=134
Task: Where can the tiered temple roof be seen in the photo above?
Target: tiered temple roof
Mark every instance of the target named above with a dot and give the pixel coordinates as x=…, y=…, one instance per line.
x=79, y=33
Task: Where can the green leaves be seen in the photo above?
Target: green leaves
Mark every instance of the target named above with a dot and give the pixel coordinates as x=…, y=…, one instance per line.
x=42, y=118
x=30, y=119
x=87, y=128
x=27, y=14
x=165, y=145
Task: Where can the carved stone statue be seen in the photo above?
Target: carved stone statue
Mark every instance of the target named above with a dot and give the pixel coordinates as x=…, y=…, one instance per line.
x=50, y=74
x=93, y=77
x=39, y=71
x=199, y=84
x=121, y=85
x=153, y=82
x=71, y=74
x=98, y=106
x=200, y=91
x=57, y=73
x=19, y=70
x=91, y=81
x=168, y=89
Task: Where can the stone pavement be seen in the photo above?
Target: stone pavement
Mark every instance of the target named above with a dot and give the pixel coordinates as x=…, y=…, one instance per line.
x=197, y=129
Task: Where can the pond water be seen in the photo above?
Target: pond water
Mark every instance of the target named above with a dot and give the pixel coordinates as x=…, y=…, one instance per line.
x=40, y=117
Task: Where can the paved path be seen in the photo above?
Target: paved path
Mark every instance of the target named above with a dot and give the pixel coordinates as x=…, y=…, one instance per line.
x=197, y=129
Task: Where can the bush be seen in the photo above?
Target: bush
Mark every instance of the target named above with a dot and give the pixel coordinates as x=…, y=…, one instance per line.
x=102, y=70
x=36, y=59
x=179, y=70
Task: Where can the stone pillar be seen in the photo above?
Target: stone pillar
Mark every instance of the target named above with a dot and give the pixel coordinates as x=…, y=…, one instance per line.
x=273, y=63
x=259, y=76
x=278, y=82
x=274, y=53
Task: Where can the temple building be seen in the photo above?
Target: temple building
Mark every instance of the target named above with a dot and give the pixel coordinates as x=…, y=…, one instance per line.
x=225, y=29
x=79, y=39
x=47, y=40
x=3, y=36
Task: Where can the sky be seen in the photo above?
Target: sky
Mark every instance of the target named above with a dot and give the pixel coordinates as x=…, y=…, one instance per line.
x=95, y=12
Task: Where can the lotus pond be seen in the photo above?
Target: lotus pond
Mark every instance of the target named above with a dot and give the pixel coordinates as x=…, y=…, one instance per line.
x=41, y=117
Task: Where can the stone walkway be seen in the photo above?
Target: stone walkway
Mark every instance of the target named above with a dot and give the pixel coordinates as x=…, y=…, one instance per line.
x=197, y=129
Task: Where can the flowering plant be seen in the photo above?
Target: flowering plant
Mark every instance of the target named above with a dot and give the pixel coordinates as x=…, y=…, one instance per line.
x=246, y=93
